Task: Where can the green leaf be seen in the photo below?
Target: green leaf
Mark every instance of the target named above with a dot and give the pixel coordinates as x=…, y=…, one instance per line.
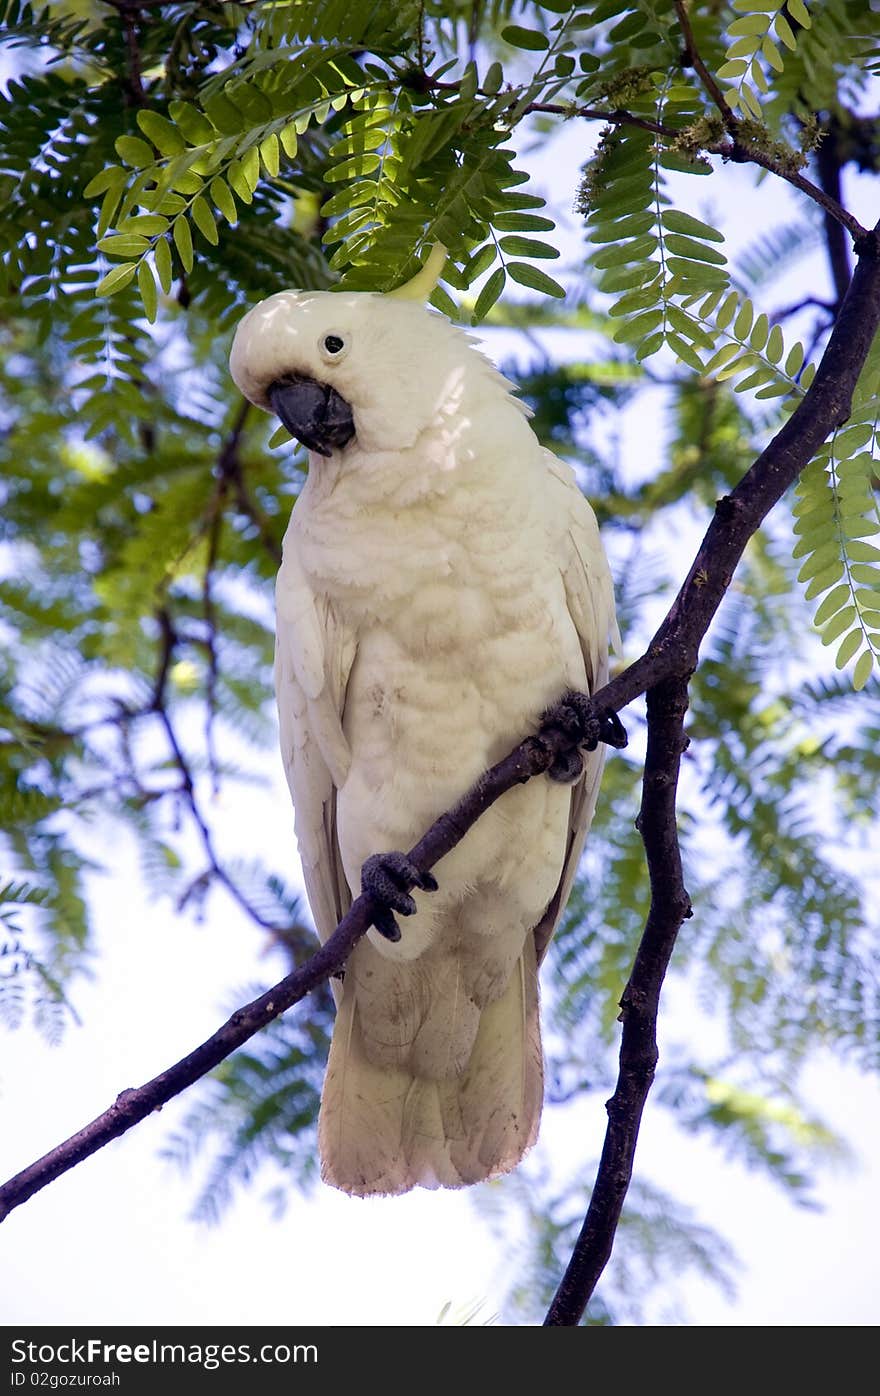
x=134, y=152
x=732, y=70
x=633, y=226
x=678, y=222
x=863, y=552
x=749, y=24
x=638, y=327
x=623, y=253
x=270, y=155
x=124, y=245
x=223, y=200
x=689, y=247
x=280, y=437
x=105, y=179
x=799, y=12
x=489, y=294
x=772, y=54
x=225, y=115
x=494, y=78
x=849, y=647
x=147, y=288
x=775, y=345
x=530, y=39
x=785, y=32
x=831, y=604
x=289, y=140
x=115, y=280
x=204, y=219
x=145, y=224
x=522, y=223
x=163, y=133
x=823, y=557
x=758, y=336
x=838, y=624
x=697, y=274
x=862, y=671
x=197, y=129
x=238, y=182
x=650, y=345
x=183, y=242
x=686, y=352
x=727, y=311
x=162, y=254
x=479, y=263
x=743, y=322
x=720, y=358
x=824, y=579
x=685, y=164
x=355, y=167
x=536, y=280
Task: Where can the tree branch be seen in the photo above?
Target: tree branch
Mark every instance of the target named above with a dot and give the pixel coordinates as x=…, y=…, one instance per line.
x=734, y=146
x=742, y=152
x=691, y=59
x=737, y=518
x=829, y=164
x=670, y=905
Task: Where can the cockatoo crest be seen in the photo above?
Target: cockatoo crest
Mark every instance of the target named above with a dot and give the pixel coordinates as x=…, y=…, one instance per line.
x=396, y=365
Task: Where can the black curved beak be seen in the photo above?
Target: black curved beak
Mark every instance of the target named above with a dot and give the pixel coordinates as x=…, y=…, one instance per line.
x=313, y=412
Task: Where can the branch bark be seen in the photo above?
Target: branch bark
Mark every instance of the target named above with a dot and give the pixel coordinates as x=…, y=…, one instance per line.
x=737, y=518
x=670, y=905
x=829, y=164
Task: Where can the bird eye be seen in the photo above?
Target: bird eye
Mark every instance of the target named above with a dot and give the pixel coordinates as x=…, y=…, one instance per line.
x=334, y=344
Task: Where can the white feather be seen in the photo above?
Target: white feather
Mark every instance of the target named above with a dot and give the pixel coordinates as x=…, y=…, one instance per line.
x=443, y=582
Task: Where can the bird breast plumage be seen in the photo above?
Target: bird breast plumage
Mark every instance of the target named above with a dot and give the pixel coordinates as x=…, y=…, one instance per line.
x=463, y=638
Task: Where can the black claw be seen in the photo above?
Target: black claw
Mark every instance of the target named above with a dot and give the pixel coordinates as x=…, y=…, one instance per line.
x=573, y=718
x=386, y=879
x=612, y=731
x=386, y=925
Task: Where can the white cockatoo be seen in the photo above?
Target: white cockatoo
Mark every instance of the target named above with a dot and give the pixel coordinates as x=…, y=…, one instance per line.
x=443, y=584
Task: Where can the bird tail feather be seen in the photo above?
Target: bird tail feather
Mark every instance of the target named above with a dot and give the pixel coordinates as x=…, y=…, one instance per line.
x=383, y=1129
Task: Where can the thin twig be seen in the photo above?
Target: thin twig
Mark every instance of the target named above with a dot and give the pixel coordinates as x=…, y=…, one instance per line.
x=691, y=59
x=806, y=303
x=734, y=148
x=745, y=153
x=829, y=163
x=618, y=117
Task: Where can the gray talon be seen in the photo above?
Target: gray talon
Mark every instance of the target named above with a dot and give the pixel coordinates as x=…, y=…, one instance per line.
x=386, y=879
x=573, y=717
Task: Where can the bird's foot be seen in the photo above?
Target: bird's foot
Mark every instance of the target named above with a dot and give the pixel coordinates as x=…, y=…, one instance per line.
x=574, y=718
x=386, y=879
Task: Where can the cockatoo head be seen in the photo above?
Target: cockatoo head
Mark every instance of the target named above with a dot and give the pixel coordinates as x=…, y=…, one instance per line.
x=338, y=367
